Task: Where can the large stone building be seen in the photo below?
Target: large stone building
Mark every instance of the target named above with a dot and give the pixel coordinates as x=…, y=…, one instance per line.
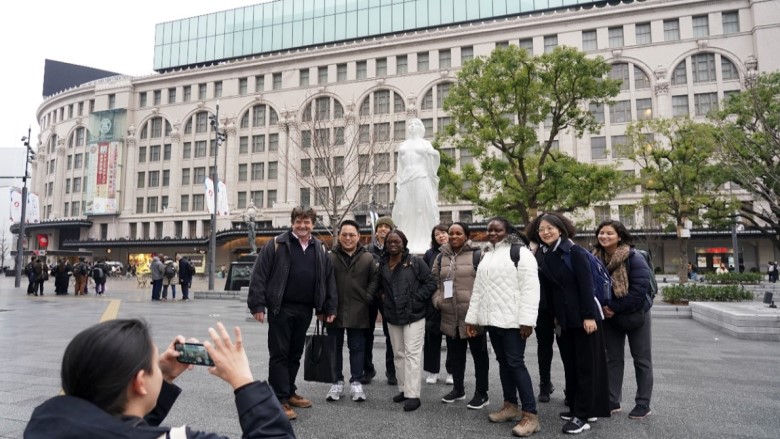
x=122, y=161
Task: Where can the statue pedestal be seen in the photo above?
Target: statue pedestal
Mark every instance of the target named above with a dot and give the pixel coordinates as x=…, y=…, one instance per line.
x=240, y=273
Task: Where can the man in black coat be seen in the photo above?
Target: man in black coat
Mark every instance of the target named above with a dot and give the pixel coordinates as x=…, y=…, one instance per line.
x=292, y=275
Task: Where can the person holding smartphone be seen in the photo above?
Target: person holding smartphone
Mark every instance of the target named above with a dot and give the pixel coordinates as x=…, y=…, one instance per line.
x=116, y=384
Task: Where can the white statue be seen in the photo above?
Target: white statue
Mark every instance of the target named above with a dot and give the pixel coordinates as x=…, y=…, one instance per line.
x=416, y=210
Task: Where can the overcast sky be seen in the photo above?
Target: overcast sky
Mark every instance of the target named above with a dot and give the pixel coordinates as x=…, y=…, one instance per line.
x=113, y=36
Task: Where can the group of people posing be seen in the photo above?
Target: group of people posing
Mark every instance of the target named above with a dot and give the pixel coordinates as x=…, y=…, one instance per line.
x=38, y=272
x=505, y=290
x=502, y=291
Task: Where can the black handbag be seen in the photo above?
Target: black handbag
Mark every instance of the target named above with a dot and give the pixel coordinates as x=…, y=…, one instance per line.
x=629, y=321
x=319, y=357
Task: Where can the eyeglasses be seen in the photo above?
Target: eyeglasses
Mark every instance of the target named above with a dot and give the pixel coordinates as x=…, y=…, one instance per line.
x=349, y=235
x=546, y=229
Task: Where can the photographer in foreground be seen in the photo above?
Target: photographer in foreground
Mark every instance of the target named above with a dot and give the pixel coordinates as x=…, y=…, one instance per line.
x=116, y=385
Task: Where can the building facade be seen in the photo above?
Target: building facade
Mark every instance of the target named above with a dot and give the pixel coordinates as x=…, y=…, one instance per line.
x=122, y=161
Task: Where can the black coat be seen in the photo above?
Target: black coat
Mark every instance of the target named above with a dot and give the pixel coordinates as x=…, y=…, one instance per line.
x=357, y=280
x=185, y=271
x=638, y=285
x=407, y=289
x=69, y=417
x=569, y=294
x=272, y=267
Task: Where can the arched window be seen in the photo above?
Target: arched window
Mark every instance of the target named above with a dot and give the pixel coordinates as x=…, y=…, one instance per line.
x=619, y=72
x=382, y=102
x=323, y=108
x=680, y=74
x=260, y=115
x=641, y=81
x=728, y=69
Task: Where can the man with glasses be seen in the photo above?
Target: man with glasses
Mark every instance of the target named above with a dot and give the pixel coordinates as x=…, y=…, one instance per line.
x=293, y=275
x=357, y=279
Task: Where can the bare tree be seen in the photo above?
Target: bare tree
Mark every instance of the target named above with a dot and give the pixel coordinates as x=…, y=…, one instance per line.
x=5, y=246
x=344, y=161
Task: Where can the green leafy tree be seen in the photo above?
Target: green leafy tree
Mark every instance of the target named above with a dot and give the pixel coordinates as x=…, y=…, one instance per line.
x=749, y=140
x=678, y=174
x=497, y=106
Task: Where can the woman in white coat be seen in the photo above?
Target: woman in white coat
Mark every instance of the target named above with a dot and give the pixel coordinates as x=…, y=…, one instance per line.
x=505, y=300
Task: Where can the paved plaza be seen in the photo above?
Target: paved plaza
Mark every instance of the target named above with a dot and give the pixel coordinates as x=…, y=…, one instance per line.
x=707, y=384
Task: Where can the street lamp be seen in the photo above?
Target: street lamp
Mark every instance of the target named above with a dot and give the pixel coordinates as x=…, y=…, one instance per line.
x=29, y=155
x=219, y=137
x=249, y=218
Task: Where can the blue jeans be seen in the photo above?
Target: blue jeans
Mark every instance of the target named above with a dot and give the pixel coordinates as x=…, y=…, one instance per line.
x=357, y=344
x=515, y=379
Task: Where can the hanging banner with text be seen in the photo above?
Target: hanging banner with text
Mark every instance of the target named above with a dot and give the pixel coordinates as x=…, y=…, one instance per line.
x=102, y=178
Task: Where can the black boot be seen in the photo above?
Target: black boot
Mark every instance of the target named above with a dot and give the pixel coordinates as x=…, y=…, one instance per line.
x=545, y=390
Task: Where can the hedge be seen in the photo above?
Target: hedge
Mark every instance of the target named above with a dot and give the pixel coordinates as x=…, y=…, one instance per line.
x=733, y=278
x=705, y=293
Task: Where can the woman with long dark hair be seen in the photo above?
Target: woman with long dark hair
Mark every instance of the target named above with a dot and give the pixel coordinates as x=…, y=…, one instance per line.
x=432, y=344
x=566, y=278
x=505, y=300
x=627, y=315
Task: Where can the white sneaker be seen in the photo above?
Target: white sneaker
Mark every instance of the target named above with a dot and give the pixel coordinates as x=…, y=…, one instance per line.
x=432, y=378
x=449, y=379
x=356, y=389
x=335, y=392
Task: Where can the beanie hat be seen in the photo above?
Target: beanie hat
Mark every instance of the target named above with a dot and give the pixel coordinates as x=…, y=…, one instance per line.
x=386, y=220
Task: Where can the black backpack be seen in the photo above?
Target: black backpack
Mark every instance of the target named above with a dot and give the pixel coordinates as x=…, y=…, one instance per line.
x=653, y=284
x=97, y=273
x=476, y=255
x=170, y=271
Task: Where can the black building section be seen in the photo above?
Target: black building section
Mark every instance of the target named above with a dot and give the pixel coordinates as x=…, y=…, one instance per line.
x=59, y=76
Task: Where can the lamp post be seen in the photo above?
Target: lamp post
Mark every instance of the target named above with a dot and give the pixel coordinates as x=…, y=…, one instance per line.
x=219, y=137
x=19, y=242
x=249, y=218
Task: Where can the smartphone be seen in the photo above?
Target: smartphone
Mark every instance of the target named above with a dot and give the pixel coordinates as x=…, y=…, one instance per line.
x=193, y=353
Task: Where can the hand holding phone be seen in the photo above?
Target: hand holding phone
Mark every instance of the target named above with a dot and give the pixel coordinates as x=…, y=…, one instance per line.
x=193, y=353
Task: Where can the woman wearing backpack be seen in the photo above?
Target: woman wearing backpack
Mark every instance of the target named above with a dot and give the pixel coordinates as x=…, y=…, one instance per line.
x=454, y=271
x=626, y=315
x=578, y=317
x=505, y=301
x=169, y=279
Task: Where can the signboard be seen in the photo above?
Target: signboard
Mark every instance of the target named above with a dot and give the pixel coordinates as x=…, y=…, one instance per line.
x=102, y=178
x=198, y=261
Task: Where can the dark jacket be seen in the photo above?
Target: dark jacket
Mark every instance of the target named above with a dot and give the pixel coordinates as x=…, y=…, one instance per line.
x=407, y=290
x=430, y=255
x=185, y=271
x=357, y=281
x=638, y=285
x=69, y=417
x=269, y=277
x=571, y=293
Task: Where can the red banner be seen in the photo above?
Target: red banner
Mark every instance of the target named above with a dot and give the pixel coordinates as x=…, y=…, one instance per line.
x=43, y=241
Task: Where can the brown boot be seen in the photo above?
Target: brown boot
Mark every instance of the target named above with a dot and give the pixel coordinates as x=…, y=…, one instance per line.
x=298, y=401
x=527, y=426
x=289, y=412
x=507, y=413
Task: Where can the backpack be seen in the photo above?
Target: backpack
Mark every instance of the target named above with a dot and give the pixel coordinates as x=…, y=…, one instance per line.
x=476, y=255
x=170, y=271
x=78, y=268
x=29, y=269
x=602, y=281
x=97, y=273
x=653, y=284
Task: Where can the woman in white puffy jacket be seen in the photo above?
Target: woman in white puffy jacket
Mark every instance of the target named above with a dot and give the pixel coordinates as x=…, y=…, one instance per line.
x=505, y=300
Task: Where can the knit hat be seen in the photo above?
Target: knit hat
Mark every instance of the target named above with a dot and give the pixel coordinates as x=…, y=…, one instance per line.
x=386, y=220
